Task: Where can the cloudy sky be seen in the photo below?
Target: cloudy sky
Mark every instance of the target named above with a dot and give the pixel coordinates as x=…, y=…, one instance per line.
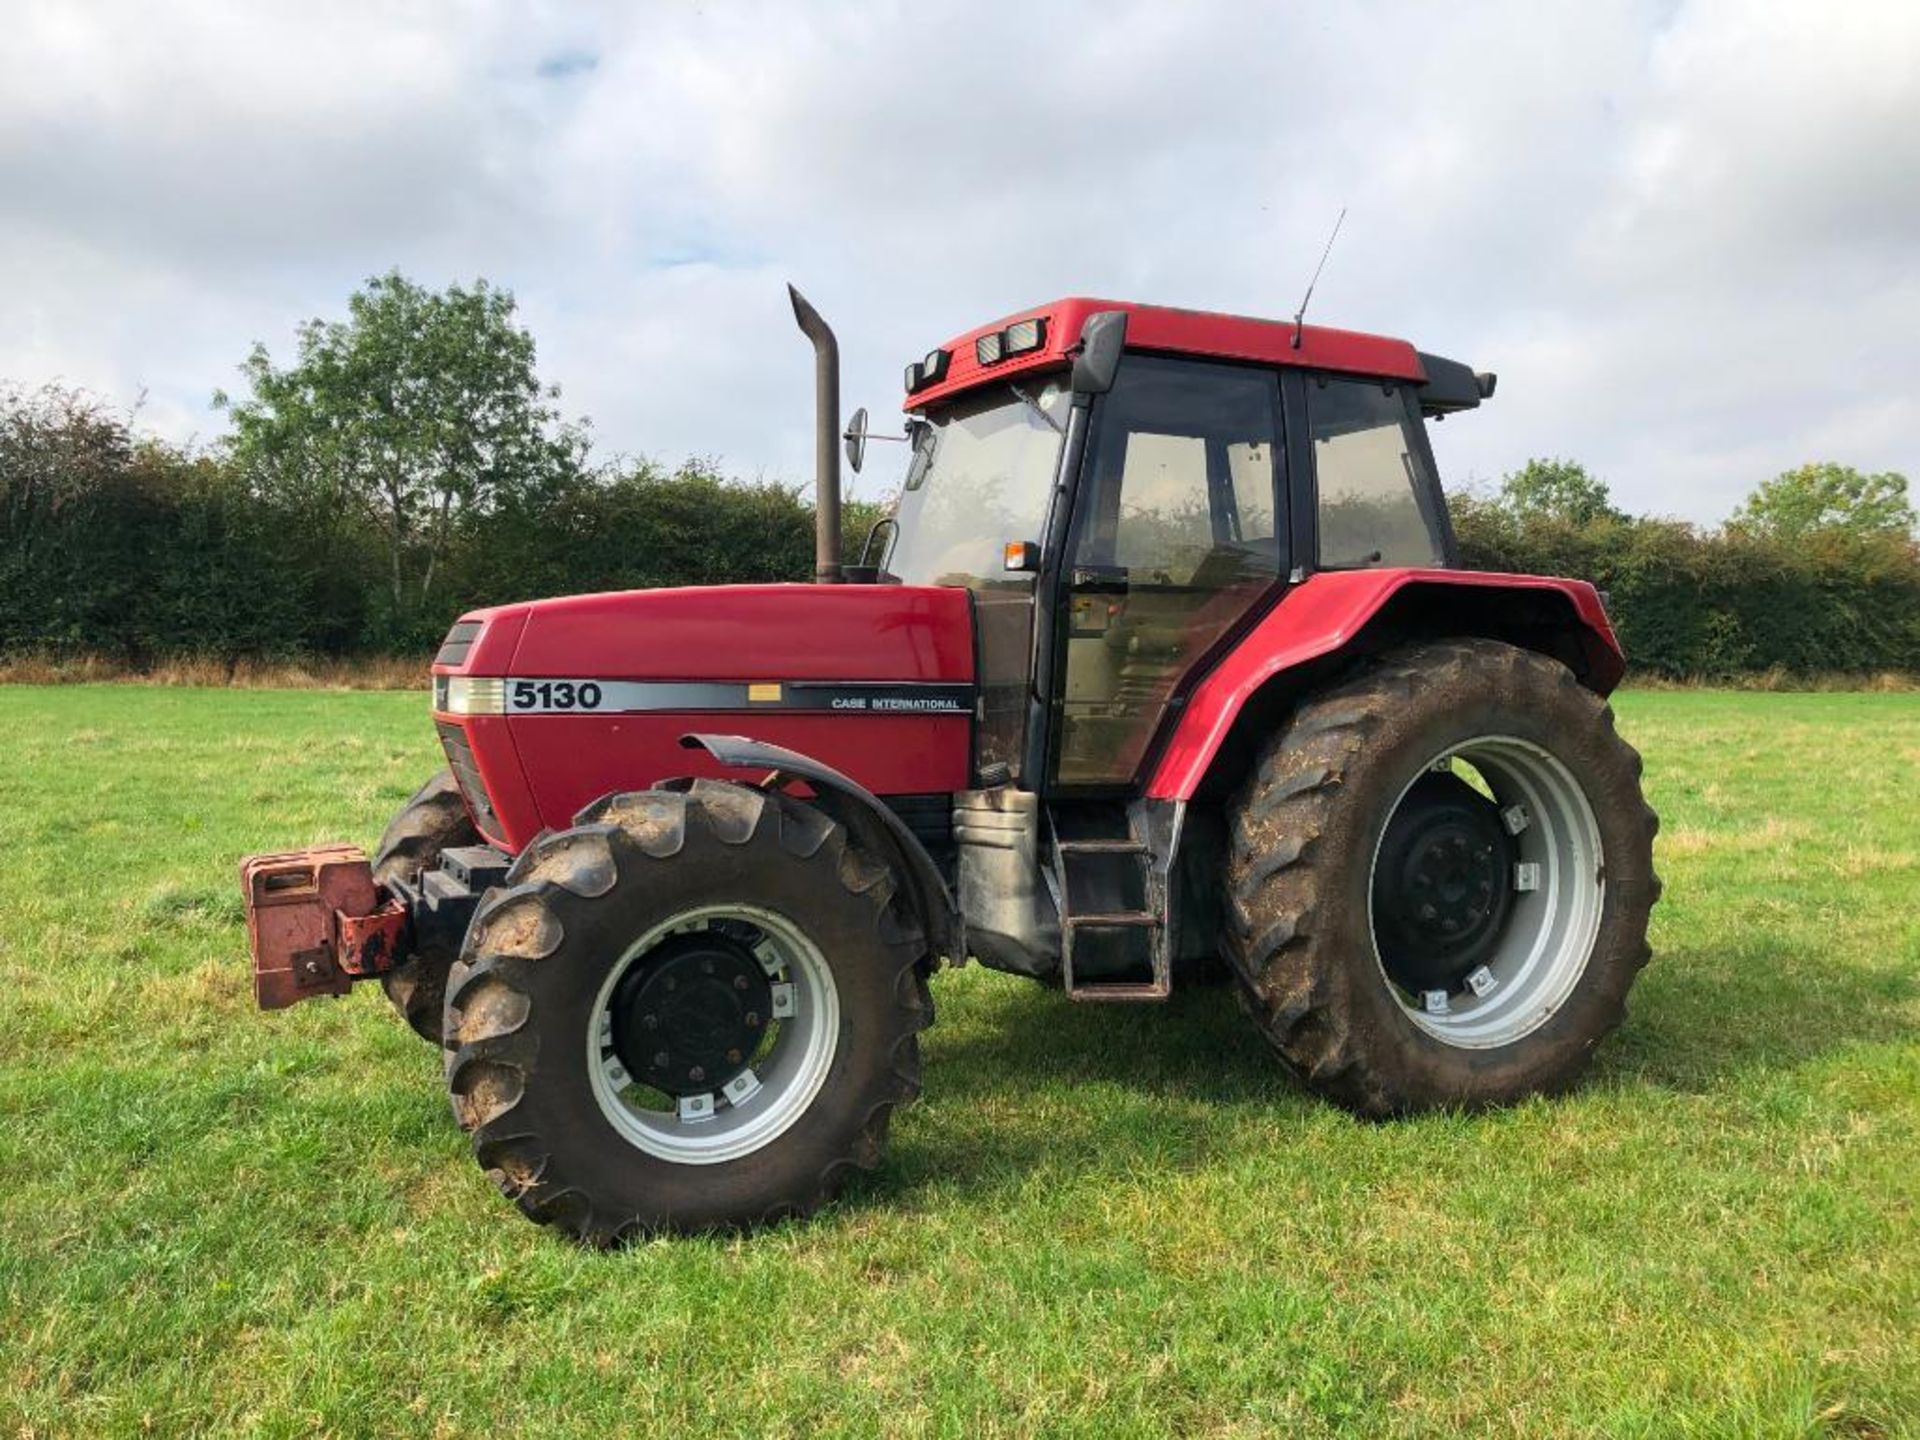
x=1686, y=234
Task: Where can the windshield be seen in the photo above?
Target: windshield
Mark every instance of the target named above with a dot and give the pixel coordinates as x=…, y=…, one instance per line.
x=980, y=476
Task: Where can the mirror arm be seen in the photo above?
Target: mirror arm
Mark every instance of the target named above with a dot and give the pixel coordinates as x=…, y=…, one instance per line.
x=857, y=435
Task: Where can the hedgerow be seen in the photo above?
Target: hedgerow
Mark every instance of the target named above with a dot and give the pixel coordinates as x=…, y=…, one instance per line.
x=138, y=552
x=1694, y=603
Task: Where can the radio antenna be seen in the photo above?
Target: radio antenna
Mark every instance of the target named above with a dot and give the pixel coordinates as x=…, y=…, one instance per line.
x=1300, y=315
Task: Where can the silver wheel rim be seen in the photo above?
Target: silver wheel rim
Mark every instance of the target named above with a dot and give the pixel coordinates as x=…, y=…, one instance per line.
x=782, y=1079
x=1560, y=884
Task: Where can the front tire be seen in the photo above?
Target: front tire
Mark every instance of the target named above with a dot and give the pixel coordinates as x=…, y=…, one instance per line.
x=695, y=1010
x=1440, y=880
x=435, y=820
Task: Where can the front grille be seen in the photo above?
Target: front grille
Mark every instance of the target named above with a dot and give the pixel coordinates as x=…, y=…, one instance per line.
x=453, y=739
x=453, y=650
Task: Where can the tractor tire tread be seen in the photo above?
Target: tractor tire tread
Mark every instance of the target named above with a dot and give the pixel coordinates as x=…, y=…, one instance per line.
x=434, y=819
x=1278, y=889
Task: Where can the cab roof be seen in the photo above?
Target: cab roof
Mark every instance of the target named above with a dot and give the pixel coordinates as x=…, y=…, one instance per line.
x=1200, y=333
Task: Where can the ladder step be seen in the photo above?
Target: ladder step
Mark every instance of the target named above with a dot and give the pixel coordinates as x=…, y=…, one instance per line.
x=1158, y=988
x=1124, y=969
x=1113, y=920
x=1100, y=847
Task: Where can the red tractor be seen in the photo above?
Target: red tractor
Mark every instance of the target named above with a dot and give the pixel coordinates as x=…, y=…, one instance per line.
x=1163, y=657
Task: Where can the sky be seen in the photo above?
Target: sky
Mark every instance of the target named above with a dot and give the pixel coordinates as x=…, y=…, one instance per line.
x=1686, y=234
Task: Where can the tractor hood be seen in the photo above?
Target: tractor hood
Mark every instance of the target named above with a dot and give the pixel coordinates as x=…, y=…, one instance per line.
x=723, y=632
x=545, y=706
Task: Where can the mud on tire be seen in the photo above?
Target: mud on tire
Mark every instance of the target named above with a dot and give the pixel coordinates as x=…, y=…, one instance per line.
x=1305, y=833
x=434, y=820
x=533, y=979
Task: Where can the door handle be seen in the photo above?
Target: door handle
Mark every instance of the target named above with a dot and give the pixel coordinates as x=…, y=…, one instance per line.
x=1099, y=579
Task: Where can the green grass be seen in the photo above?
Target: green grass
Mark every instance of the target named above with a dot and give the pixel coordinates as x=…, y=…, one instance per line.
x=1099, y=1221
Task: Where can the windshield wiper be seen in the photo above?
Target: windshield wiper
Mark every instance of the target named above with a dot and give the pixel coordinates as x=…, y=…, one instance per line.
x=1034, y=405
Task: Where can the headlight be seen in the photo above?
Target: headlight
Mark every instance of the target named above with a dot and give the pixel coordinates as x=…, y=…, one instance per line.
x=469, y=695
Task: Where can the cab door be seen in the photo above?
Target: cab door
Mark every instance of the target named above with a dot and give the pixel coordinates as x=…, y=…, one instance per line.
x=1179, y=534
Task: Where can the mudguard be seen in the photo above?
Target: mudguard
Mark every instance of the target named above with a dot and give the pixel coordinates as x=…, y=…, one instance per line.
x=866, y=817
x=1349, y=611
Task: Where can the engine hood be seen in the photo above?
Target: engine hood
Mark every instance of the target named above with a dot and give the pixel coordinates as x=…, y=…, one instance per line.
x=545, y=707
x=902, y=633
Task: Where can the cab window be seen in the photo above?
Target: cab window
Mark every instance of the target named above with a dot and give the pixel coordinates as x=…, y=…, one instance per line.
x=1373, y=489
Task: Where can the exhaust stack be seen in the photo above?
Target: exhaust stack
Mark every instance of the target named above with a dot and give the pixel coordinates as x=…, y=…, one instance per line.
x=826, y=439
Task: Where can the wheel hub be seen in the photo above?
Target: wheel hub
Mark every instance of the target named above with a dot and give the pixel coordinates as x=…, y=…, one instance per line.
x=1441, y=887
x=688, y=1020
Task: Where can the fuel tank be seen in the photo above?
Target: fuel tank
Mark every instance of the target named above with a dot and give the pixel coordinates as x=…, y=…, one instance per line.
x=545, y=706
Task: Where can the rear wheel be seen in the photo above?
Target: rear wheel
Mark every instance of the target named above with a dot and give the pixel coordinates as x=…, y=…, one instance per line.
x=433, y=821
x=1441, y=875
x=695, y=1010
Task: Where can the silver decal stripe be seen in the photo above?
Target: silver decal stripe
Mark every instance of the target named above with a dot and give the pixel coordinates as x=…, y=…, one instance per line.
x=548, y=696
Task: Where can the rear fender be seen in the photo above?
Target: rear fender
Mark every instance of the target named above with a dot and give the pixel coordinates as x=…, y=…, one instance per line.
x=1335, y=617
x=866, y=818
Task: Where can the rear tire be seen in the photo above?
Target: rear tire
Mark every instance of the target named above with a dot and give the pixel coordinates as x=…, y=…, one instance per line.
x=1517, y=992
x=433, y=821
x=564, y=964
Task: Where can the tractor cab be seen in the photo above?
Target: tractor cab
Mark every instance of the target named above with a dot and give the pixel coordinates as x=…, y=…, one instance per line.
x=1123, y=488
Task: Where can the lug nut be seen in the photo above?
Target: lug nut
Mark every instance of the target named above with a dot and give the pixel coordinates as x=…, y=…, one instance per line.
x=697, y=1074
x=650, y=1022
x=739, y=982
x=733, y=1056
x=753, y=1019
x=661, y=1060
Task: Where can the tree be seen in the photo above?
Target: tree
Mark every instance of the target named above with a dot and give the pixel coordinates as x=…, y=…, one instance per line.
x=58, y=449
x=1554, y=489
x=416, y=411
x=1828, y=498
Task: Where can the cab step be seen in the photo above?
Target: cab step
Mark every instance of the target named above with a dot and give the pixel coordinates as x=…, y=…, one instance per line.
x=1107, y=885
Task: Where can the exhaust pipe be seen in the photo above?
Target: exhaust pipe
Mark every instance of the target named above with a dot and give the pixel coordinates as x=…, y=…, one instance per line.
x=826, y=440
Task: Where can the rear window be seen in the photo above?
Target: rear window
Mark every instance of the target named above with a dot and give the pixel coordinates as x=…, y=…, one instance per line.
x=1369, y=477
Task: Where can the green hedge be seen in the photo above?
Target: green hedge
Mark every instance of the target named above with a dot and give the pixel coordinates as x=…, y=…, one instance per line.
x=134, y=551
x=1713, y=604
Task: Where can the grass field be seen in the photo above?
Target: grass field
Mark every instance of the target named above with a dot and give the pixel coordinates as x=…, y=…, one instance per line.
x=1106, y=1222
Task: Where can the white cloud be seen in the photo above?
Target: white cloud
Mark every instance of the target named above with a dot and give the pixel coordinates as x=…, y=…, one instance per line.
x=1682, y=233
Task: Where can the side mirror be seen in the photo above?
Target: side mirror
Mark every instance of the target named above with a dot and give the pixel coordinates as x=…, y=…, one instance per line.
x=858, y=435
x=856, y=438
x=1097, y=356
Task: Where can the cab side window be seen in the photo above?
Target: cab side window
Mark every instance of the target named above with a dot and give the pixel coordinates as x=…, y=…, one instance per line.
x=1372, y=484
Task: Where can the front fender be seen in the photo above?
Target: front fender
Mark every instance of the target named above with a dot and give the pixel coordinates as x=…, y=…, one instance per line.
x=1353, y=611
x=866, y=817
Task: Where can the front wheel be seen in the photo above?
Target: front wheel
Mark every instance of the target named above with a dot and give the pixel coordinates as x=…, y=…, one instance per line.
x=432, y=822
x=695, y=1010
x=1440, y=880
